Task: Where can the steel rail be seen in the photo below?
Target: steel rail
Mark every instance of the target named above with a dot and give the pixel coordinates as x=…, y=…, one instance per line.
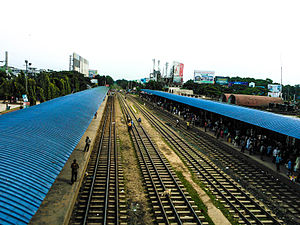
x=172, y=141
x=95, y=170
x=116, y=171
x=146, y=165
x=108, y=169
x=173, y=178
x=286, y=193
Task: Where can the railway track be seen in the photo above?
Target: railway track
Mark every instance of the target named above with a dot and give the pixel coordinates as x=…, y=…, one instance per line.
x=174, y=207
x=101, y=199
x=245, y=208
x=283, y=199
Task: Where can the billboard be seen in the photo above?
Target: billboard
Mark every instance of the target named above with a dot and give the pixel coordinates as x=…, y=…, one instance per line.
x=275, y=88
x=80, y=64
x=238, y=83
x=93, y=73
x=94, y=81
x=178, y=72
x=274, y=94
x=145, y=80
x=204, y=77
x=221, y=80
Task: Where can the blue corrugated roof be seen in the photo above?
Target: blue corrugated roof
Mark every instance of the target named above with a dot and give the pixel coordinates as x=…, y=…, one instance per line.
x=35, y=144
x=282, y=124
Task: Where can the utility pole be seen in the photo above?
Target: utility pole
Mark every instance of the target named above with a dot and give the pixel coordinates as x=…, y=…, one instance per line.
x=26, y=62
x=281, y=70
x=6, y=62
x=281, y=76
x=70, y=63
x=167, y=64
x=153, y=65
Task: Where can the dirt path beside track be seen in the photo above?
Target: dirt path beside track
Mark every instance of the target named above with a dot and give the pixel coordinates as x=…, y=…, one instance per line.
x=214, y=213
x=138, y=207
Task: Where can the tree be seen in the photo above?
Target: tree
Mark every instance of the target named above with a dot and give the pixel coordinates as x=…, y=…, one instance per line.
x=109, y=80
x=4, y=88
x=122, y=83
x=40, y=94
x=154, y=85
x=32, y=91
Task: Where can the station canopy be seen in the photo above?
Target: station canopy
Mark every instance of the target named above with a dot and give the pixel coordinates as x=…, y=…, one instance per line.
x=35, y=145
x=289, y=126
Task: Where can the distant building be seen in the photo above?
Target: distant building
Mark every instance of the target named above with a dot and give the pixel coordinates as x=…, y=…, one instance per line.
x=252, y=84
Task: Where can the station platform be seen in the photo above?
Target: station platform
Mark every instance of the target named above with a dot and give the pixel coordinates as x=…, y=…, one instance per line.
x=58, y=204
x=265, y=164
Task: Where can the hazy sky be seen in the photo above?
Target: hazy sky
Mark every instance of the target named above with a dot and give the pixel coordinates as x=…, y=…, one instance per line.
x=120, y=38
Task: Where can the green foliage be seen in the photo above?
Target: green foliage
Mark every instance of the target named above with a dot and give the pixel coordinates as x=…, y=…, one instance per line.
x=109, y=80
x=40, y=94
x=122, y=83
x=195, y=196
x=44, y=86
x=215, y=90
x=104, y=80
x=154, y=85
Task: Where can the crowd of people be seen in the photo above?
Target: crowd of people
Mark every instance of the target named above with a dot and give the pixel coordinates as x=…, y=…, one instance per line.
x=249, y=139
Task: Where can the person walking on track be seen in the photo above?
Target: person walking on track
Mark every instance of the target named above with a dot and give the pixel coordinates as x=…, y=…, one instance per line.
x=129, y=126
x=177, y=123
x=74, y=167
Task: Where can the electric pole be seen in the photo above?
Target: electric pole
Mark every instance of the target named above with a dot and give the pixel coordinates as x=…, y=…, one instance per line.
x=26, y=62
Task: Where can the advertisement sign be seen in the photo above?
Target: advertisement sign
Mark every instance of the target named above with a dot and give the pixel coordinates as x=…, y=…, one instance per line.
x=275, y=88
x=178, y=72
x=204, y=77
x=94, y=81
x=237, y=83
x=80, y=64
x=25, y=99
x=93, y=73
x=221, y=80
x=274, y=94
x=144, y=80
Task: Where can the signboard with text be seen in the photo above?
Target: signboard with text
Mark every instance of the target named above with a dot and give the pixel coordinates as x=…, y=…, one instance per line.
x=204, y=77
x=222, y=80
x=178, y=72
x=275, y=88
x=238, y=83
x=25, y=99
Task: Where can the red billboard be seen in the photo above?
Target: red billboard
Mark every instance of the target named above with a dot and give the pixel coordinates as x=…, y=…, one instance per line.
x=178, y=72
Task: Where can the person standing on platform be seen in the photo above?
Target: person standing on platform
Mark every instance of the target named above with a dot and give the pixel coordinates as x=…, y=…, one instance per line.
x=262, y=151
x=74, y=167
x=139, y=120
x=177, y=122
x=289, y=167
x=275, y=153
x=205, y=125
x=188, y=125
x=95, y=117
x=277, y=162
x=87, y=144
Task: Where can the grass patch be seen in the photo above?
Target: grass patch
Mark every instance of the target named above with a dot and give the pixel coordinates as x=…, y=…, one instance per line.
x=215, y=201
x=213, y=198
x=194, y=195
